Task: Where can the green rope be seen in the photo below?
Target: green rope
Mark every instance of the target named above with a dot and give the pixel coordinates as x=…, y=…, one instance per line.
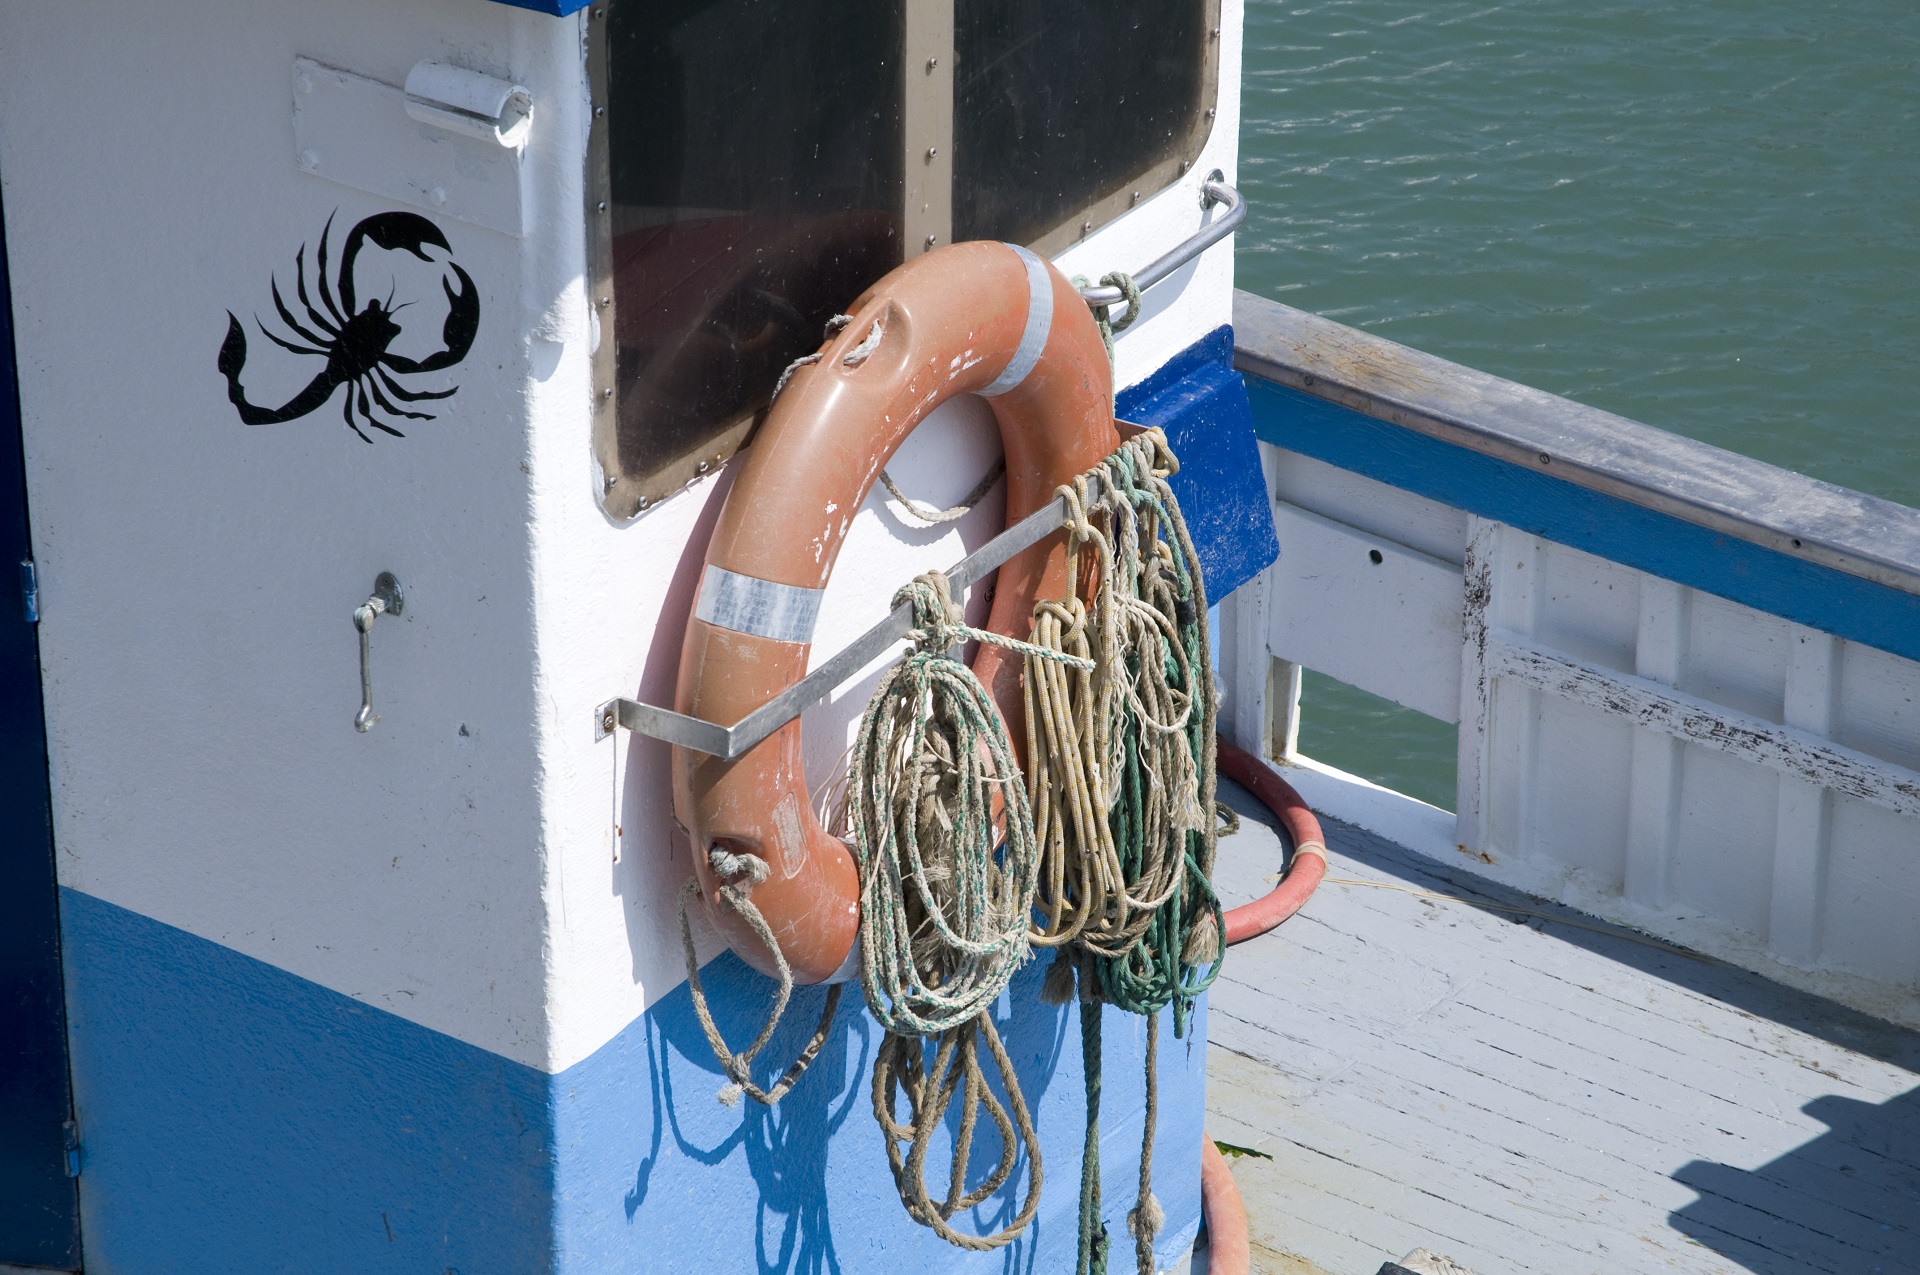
x=1110, y=327
x=1093, y=1230
x=943, y=917
x=1152, y=937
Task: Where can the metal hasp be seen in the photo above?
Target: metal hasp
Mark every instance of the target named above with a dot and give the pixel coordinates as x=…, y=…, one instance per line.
x=1214, y=191
x=729, y=742
x=386, y=599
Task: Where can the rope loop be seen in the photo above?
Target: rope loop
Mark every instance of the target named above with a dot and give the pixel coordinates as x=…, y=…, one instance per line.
x=1130, y=296
x=738, y=1066
x=956, y=1078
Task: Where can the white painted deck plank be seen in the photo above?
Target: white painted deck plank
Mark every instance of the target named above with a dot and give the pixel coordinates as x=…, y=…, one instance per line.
x=1529, y=1097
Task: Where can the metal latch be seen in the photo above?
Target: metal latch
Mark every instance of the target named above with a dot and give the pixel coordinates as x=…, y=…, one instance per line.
x=386, y=600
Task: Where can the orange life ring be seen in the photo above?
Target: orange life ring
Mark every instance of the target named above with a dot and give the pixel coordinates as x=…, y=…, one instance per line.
x=973, y=318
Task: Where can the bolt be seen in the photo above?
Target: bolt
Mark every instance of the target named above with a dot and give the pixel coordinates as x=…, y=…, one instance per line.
x=602, y=205
x=1135, y=198
x=932, y=151
x=1209, y=112
x=703, y=467
x=931, y=240
x=931, y=63
x=1086, y=227
x=1183, y=167
x=1213, y=33
x=605, y=302
x=607, y=393
x=598, y=111
x=598, y=13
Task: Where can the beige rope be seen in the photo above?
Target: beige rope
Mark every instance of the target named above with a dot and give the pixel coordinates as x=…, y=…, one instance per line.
x=738, y=1066
x=931, y=516
x=956, y=1076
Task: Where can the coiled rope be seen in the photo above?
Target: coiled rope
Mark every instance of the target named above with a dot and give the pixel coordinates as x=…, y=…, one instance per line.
x=943, y=837
x=1121, y=771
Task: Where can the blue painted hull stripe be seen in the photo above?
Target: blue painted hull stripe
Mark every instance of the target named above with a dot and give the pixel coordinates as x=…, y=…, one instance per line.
x=239, y=1120
x=1738, y=570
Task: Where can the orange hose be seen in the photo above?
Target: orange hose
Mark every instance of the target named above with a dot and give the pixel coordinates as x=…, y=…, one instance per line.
x=1229, y=1250
x=1308, y=867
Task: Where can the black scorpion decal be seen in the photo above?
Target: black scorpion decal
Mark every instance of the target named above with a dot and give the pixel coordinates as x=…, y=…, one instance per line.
x=354, y=344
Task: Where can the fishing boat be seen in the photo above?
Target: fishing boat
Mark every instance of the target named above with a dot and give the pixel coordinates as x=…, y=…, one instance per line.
x=484, y=477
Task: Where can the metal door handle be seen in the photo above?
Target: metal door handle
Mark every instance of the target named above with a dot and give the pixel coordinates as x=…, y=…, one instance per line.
x=385, y=600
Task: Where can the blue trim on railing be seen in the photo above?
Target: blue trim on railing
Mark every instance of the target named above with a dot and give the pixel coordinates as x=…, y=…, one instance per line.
x=1813, y=595
x=1201, y=403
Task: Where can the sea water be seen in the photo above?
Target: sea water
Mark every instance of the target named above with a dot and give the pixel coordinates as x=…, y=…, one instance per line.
x=1704, y=216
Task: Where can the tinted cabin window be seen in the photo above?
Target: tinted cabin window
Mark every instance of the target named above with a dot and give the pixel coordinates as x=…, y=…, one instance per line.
x=768, y=160
x=1060, y=102
x=754, y=162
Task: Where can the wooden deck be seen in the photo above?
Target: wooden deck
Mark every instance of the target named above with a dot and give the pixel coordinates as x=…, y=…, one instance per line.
x=1525, y=1095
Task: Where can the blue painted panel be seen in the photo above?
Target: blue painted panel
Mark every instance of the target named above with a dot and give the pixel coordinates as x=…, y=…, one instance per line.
x=1201, y=403
x=39, y=1212
x=239, y=1119
x=649, y=1153
x=1816, y=596
x=559, y=8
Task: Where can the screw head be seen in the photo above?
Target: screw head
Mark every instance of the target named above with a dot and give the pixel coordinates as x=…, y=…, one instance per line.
x=1086, y=227
x=932, y=151
x=607, y=722
x=931, y=63
x=607, y=393
x=599, y=13
x=605, y=302
x=598, y=111
x=932, y=239
x=602, y=205
x=703, y=467
x=1135, y=198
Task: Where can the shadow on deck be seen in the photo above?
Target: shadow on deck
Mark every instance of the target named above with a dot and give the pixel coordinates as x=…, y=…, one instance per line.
x=1525, y=1088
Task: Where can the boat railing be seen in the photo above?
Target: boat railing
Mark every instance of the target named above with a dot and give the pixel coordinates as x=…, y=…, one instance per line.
x=1686, y=683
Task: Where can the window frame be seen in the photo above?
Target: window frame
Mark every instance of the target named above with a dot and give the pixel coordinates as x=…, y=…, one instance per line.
x=927, y=129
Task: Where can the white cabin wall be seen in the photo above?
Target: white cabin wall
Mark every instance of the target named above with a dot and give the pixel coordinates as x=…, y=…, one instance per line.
x=457, y=865
x=198, y=575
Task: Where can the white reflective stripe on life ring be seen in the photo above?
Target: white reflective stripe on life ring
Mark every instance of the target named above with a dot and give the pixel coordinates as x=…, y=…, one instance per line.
x=1039, y=324
x=762, y=608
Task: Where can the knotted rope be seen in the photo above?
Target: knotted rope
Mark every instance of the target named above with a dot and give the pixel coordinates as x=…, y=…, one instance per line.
x=1129, y=292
